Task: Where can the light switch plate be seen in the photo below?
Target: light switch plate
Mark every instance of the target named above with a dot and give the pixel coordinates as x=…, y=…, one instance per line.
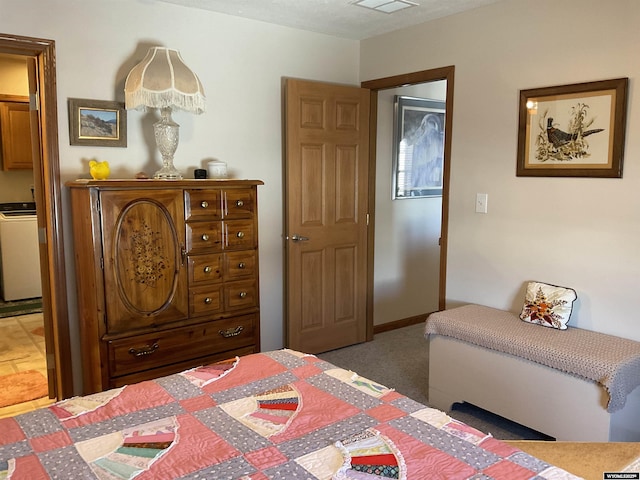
x=481, y=202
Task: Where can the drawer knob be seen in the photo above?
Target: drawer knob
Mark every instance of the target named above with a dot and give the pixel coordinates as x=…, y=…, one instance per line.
x=205, y=237
x=241, y=265
x=146, y=350
x=231, y=332
x=242, y=294
x=208, y=300
x=207, y=269
x=240, y=234
x=239, y=203
x=204, y=204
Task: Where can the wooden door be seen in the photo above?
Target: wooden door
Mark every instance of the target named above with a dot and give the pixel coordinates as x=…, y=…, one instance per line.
x=326, y=189
x=51, y=335
x=144, y=258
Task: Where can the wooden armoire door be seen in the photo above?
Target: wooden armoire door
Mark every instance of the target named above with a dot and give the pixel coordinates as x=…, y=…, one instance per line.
x=144, y=258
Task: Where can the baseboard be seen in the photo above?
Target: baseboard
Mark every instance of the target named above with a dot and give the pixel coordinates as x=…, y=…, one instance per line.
x=404, y=322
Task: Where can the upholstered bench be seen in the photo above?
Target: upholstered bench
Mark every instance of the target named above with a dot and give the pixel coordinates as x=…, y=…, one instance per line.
x=571, y=384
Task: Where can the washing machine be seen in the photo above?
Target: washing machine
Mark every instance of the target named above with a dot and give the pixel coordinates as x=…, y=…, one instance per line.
x=19, y=252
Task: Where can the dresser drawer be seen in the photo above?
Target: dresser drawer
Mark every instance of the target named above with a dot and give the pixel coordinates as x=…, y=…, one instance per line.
x=173, y=346
x=238, y=295
x=239, y=203
x=204, y=236
x=202, y=205
x=115, y=382
x=205, y=268
x=239, y=234
x=205, y=300
x=239, y=264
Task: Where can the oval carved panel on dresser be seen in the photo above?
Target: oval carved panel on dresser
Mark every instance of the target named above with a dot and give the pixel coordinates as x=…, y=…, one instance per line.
x=167, y=275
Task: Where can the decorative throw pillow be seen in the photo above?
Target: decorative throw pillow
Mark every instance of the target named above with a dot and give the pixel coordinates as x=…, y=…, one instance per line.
x=548, y=305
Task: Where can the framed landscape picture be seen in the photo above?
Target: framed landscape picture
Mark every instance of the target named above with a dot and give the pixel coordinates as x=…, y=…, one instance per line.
x=97, y=123
x=573, y=130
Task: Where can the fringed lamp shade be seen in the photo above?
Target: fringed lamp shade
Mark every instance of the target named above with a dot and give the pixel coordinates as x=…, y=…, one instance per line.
x=162, y=80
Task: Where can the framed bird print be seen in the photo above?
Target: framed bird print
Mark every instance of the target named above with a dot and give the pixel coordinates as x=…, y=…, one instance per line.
x=573, y=130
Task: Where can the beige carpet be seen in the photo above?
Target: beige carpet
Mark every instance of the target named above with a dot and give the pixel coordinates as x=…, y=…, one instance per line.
x=586, y=460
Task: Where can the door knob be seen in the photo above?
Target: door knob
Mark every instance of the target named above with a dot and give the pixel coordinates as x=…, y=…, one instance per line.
x=299, y=238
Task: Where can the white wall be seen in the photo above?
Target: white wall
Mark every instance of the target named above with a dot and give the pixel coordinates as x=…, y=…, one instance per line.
x=577, y=232
x=407, y=253
x=241, y=64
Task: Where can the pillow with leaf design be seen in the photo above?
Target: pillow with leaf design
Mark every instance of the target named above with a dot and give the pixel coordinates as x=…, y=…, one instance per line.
x=548, y=305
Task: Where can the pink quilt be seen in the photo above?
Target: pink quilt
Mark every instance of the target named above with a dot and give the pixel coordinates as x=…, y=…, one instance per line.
x=272, y=415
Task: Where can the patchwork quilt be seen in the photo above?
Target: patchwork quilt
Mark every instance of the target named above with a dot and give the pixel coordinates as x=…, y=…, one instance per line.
x=271, y=415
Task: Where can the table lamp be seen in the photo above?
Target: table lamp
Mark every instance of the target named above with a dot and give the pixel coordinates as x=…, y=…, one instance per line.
x=162, y=80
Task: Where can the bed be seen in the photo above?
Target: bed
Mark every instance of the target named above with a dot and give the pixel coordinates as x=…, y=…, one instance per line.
x=280, y=414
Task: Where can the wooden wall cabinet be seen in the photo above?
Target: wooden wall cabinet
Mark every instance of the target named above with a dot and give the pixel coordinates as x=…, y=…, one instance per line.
x=167, y=275
x=15, y=135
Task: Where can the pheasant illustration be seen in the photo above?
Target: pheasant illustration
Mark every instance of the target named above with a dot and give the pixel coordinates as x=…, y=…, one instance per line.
x=559, y=138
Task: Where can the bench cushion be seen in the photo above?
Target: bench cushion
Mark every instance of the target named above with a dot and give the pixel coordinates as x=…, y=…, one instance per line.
x=611, y=361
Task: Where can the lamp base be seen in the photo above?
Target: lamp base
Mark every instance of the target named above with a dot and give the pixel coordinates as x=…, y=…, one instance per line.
x=168, y=172
x=167, y=134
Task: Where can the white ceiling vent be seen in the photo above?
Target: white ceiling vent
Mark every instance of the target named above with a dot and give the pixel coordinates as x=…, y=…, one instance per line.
x=386, y=6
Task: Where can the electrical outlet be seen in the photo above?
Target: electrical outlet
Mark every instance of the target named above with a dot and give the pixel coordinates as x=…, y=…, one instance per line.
x=481, y=202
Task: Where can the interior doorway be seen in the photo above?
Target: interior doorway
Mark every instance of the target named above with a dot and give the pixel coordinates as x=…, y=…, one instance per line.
x=47, y=191
x=396, y=82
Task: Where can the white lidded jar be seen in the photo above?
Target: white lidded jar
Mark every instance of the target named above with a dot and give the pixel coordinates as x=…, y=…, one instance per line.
x=217, y=169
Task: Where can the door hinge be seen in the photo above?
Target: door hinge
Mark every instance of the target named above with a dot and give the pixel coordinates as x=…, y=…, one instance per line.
x=367, y=219
x=42, y=236
x=101, y=263
x=34, y=101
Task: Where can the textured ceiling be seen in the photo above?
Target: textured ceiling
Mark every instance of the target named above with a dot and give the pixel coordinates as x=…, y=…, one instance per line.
x=339, y=18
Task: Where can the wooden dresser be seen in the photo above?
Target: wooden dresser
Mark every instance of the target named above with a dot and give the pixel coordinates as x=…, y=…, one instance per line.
x=166, y=273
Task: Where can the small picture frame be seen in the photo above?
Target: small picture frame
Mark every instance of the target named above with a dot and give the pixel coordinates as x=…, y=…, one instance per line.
x=418, y=147
x=97, y=123
x=573, y=130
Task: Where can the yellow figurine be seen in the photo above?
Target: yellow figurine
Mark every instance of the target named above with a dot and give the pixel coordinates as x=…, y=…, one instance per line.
x=99, y=170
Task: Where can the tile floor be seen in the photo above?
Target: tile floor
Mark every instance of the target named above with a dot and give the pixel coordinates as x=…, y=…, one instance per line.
x=21, y=350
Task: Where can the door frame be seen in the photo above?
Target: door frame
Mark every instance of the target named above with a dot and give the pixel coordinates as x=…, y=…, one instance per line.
x=403, y=80
x=48, y=195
